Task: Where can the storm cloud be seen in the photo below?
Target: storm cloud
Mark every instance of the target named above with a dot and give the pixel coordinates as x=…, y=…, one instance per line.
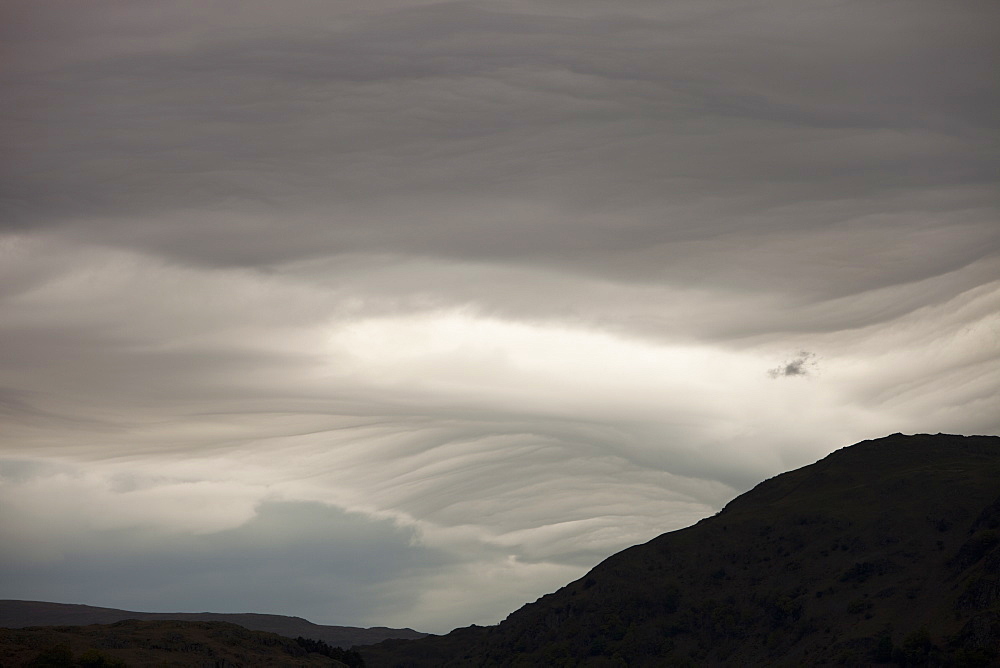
x=468, y=295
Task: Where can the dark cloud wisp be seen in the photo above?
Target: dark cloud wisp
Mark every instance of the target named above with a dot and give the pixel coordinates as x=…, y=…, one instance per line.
x=803, y=364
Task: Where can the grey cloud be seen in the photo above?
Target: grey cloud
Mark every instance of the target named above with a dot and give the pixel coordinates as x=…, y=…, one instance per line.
x=803, y=364
x=301, y=559
x=449, y=130
x=23, y=470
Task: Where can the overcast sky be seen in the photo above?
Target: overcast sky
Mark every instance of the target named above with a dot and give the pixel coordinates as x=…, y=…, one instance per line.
x=405, y=313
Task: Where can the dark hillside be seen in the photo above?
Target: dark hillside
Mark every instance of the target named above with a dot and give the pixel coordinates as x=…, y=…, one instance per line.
x=885, y=552
x=164, y=643
x=19, y=614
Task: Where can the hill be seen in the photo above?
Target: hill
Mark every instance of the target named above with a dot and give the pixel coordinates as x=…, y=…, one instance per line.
x=885, y=552
x=20, y=614
x=164, y=643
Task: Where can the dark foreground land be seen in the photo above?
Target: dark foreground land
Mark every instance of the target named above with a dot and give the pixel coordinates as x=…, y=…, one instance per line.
x=884, y=553
x=19, y=614
x=163, y=643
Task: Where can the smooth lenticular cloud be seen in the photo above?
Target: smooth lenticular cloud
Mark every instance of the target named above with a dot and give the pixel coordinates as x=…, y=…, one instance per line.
x=533, y=447
x=427, y=308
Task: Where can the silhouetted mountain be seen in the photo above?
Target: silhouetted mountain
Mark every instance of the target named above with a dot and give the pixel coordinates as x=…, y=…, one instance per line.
x=164, y=643
x=20, y=614
x=887, y=551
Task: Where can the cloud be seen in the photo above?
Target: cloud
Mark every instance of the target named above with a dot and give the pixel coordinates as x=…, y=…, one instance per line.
x=484, y=293
x=531, y=137
x=802, y=364
x=528, y=447
x=295, y=558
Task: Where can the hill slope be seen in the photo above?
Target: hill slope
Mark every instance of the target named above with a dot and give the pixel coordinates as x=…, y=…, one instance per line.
x=885, y=551
x=20, y=614
x=163, y=643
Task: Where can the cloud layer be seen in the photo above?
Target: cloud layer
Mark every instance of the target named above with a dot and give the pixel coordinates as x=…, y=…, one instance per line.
x=398, y=300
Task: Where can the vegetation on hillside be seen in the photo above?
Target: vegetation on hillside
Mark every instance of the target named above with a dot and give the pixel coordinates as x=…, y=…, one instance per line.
x=20, y=614
x=164, y=643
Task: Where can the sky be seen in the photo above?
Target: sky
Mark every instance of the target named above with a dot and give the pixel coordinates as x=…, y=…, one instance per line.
x=405, y=313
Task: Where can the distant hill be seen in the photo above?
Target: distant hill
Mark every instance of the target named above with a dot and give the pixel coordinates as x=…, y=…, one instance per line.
x=164, y=643
x=20, y=614
x=884, y=553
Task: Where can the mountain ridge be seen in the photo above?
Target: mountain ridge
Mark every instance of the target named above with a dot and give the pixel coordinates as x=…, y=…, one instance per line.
x=165, y=643
x=22, y=614
x=884, y=552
